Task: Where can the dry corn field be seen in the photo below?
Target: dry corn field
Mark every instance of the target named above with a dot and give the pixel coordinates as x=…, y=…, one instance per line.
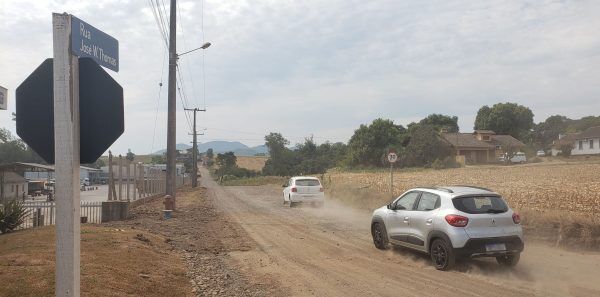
x=253, y=163
x=572, y=187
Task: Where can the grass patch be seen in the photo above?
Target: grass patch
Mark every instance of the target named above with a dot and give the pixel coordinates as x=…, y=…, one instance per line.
x=256, y=181
x=114, y=262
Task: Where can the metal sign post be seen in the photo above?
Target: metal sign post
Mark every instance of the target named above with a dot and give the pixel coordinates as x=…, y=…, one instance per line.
x=66, y=155
x=392, y=158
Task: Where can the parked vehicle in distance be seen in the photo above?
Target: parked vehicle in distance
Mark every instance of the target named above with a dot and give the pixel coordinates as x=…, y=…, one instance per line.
x=86, y=182
x=450, y=223
x=303, y=189
x=540, y=153
x=518, y=157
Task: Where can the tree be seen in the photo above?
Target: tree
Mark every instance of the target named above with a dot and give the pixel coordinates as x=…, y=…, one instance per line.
x=130, y=156
x=226, y=162
x=548, y=131
x=505, y=118
x=369, y=144
x=425, y=147
x=440, y=121
x=13, y=149
x=158, y=159
x=281, y=159
x=210, y=154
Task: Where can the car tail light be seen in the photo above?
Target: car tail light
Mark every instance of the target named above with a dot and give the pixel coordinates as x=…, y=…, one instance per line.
x=294, y=190
x=456, y=220
x=321, y=190
x=516, y=218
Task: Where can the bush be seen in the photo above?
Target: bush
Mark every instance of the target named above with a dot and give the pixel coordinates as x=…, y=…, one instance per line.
x=448, y=162
x=12, y=215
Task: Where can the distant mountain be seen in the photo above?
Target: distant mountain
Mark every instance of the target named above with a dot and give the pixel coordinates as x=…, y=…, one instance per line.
x=261, y=149
x=238, y=148
x=179, y=146
x=222, y=146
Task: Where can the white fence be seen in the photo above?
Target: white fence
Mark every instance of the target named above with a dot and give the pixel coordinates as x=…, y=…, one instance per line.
x=44, y=213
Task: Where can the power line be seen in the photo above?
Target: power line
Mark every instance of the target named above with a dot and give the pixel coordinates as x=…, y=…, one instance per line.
x=182, y=66
x=160, y=22
x=162, y=70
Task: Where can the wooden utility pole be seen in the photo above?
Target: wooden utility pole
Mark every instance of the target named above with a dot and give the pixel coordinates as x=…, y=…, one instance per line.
x=66, y=155
x=195, y=149
x=172, y=115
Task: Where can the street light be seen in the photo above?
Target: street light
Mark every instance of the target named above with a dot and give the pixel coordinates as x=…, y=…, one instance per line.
x=204, y=46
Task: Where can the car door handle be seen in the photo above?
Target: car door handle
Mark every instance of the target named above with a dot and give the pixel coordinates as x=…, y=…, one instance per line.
x=406, y=219
x=429, y=221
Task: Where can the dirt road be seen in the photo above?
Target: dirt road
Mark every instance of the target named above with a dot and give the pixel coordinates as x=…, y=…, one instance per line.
x=329, y=252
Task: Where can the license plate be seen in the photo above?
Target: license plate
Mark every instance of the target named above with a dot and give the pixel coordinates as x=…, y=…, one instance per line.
x=494, y=247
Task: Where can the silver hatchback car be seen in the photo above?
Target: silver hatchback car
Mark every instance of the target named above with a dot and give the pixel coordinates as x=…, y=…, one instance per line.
x=449, y=223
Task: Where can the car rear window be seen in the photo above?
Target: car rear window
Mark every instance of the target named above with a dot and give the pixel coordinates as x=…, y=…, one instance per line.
x=480, y=204
x=307, y=182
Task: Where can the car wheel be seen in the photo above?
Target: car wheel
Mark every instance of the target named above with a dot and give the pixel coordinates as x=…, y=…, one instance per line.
x=284, y=202
x=509, y=260
x=291, y=203
x=442, y=255
x=379, y=236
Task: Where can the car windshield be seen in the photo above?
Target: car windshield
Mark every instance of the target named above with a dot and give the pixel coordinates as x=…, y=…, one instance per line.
x=480, y=204
x=307, y=182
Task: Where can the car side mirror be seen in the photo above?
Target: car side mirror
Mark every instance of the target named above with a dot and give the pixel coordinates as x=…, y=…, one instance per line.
x=389, y=206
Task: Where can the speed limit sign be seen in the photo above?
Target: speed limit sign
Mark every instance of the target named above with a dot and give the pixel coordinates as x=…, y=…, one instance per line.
x=392, y=157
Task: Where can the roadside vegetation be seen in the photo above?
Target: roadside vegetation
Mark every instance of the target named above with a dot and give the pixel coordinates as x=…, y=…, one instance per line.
x=418, y=145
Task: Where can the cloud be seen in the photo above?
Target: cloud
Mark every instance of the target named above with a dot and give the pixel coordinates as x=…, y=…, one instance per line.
x=323, y=68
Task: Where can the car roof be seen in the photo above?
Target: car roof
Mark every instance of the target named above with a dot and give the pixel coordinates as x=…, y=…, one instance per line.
x=456, y=191
x=304, y=177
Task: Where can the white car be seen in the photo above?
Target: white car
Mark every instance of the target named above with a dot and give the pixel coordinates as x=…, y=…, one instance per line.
x=540, y=153
x=519, y=158
x=303, y=189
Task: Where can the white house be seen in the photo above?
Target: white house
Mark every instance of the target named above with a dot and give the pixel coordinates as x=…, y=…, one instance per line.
x=584, y=143
x=12, y=186
x=587, y=142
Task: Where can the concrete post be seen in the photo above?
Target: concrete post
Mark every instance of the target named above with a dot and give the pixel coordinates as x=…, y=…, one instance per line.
x=128, y=171
x=66, y=155
x=110, y=176
x=120, y=177
x=135, y=179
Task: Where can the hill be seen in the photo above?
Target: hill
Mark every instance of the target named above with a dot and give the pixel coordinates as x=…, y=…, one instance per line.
x=238, y=148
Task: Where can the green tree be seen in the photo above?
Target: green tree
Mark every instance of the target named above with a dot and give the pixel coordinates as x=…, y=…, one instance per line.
x=505, y=118
x=210, y=154
x=158, y=159
x=425, y=147
x=281, y=159
x=226, y=162
x=440, y=121
x=13, y=149
x=547, y=131
x=130, y=155
x=369, y=144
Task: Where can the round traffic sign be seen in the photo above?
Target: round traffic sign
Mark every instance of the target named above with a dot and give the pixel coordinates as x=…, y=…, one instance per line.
x=392, y=157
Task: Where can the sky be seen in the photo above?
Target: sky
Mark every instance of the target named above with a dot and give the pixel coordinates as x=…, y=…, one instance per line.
x=323, y=68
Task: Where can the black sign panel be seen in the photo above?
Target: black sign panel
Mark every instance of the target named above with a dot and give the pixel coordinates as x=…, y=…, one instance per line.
x=100, y=111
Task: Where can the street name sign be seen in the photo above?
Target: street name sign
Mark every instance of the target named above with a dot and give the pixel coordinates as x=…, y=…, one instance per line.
x=87, y=41
x=3, y=98
x=100, y=109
